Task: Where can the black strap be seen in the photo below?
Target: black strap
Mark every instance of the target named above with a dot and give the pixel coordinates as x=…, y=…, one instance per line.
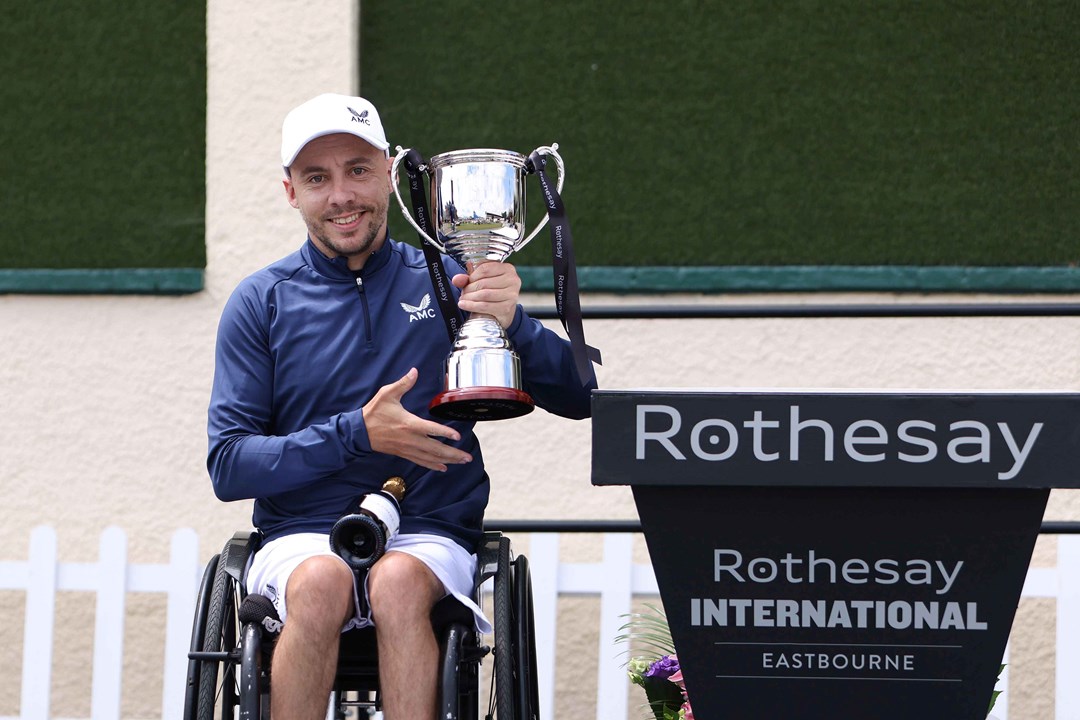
x=414, y=164
x=567, y=303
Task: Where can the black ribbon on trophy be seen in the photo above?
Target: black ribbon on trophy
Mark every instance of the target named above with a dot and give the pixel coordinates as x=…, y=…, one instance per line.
x=414, y=164
x=564, y=271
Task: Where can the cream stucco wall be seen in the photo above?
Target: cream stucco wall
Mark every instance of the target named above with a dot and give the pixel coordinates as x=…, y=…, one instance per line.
x=103, y=398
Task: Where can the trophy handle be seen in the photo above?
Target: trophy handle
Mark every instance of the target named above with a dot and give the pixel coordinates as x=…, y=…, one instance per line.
x=553, y=151
x=394, y=184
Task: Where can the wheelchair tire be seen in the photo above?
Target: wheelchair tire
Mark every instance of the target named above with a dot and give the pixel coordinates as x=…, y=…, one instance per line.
x=528, y=699
x=197, y=631
x=516, y=696
x=220, y=635
x=504, y=654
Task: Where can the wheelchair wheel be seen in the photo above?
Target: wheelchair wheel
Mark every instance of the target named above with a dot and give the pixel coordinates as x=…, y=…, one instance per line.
x=191, y=693
x=212, y=679
x=524, y=636
x=516, y=694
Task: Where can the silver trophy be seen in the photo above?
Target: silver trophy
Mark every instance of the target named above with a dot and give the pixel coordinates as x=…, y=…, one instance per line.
x=478, y=215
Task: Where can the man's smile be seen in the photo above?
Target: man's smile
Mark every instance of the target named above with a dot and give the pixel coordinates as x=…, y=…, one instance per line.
x=346, y=220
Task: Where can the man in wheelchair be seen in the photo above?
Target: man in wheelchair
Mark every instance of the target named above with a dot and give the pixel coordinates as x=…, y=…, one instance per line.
x=321, y=388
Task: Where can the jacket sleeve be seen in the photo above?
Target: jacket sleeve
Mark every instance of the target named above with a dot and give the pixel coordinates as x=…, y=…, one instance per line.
x=245, y=458
x=547, y=368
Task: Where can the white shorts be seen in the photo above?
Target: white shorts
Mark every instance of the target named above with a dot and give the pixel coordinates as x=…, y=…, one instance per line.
x=268, y=573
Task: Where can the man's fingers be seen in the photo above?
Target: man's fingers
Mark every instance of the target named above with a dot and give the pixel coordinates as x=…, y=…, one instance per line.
x=506, y=278
x=491, y=270
x=434, y=455
x=492, y=289
x=393, y=430
x=437, y=430
x=405, y=384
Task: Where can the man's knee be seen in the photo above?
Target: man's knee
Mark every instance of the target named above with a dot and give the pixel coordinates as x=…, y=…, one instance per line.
x=401, y=585
x=320, y=589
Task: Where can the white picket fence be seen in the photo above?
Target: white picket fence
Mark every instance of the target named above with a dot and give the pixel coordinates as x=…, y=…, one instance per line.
x=616, y=579
x=111, y=577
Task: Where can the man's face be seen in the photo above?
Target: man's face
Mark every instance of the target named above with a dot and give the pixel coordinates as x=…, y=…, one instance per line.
x=341, y=186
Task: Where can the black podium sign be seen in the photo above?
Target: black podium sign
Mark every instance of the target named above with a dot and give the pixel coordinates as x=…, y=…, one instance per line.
x=838, y=555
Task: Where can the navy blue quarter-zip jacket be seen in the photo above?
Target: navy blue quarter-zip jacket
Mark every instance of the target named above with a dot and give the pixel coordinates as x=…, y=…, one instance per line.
x=303, y=345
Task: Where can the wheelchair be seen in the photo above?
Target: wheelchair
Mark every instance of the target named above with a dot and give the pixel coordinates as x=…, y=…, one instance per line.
x=232, y=641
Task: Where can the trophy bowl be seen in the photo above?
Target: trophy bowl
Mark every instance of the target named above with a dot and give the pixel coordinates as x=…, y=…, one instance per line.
x=478, y=215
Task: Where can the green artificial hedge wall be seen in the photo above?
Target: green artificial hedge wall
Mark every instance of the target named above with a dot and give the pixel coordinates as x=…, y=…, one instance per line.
x=763, y=134
x=102, y=129
x=748, y=144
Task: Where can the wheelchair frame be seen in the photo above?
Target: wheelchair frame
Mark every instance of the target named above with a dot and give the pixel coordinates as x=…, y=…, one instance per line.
x=228, y=661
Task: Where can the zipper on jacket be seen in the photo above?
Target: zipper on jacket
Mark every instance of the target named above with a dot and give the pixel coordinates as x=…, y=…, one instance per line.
x=364, y=303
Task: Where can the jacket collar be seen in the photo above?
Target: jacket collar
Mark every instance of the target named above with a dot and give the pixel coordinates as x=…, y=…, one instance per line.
x=337, y=268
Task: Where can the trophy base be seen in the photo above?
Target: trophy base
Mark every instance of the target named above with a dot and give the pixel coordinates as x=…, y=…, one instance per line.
x=475, y=404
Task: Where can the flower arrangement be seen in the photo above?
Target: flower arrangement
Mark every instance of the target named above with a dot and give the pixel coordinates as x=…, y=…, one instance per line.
x=658, y=674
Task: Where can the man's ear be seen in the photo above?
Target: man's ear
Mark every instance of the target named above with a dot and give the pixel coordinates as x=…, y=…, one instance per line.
x=290, y=192
x=389, y=172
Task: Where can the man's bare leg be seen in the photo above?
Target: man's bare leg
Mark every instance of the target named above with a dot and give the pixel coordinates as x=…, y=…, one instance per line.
x=319, y=599
x=402, y=591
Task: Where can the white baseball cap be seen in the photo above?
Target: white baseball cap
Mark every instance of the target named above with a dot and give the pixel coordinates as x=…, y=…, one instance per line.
x=328, y=114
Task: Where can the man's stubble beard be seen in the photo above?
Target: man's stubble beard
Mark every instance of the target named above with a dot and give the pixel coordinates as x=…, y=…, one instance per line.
x=377, y=215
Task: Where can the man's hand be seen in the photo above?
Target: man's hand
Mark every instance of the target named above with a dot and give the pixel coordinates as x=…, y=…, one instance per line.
x=395, y=431
x=490, y=288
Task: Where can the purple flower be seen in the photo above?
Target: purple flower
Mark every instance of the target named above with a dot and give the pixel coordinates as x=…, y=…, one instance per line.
x=663, y=668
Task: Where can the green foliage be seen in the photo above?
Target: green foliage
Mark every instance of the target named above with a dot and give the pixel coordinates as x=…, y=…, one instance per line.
x=994, y=695
x=649, y=633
